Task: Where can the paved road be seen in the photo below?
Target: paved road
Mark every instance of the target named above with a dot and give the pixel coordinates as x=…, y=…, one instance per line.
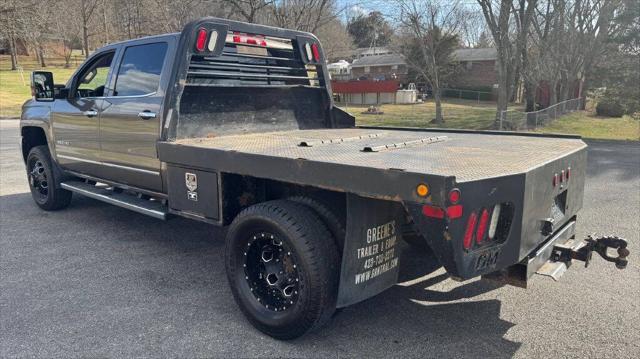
x=96, y=280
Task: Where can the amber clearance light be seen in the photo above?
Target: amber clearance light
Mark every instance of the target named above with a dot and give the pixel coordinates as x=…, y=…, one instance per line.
x=422, y=190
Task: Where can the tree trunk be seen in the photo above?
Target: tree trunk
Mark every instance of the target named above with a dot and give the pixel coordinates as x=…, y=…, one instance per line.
x=553, y=93
x=438, y=99
x=583, y=93
x=14, y=53
x=503, y=89
x=41, y=56
x=85, y=39
x=529, y=97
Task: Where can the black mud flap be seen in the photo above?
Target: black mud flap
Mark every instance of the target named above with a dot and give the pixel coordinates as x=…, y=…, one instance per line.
x=370, y=259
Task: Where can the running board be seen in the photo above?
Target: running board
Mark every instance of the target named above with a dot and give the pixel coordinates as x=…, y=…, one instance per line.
x=105, y=194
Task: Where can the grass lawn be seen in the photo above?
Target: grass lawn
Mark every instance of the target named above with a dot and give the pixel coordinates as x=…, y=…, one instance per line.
x=588, y=125
x=14, y=86
x=457, y=114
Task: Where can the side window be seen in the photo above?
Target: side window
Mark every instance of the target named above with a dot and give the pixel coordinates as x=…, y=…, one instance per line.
x=93, y=79
x=139, y=72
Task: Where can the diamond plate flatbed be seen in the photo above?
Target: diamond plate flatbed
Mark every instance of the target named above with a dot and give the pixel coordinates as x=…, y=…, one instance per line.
x=374, y=162
x=466, y=156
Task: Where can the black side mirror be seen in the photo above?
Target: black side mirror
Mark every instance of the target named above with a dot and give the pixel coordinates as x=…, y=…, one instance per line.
x=42, y=87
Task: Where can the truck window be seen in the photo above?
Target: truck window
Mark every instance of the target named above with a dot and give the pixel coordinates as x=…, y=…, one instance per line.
x=139, y=72
x=93, y=79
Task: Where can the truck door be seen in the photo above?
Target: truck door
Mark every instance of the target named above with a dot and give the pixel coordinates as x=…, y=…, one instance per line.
x=76, y=119
x=130, y=122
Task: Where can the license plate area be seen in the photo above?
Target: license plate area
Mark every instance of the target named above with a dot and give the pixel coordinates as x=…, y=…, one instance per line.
x=559, y=207
x=519, y=274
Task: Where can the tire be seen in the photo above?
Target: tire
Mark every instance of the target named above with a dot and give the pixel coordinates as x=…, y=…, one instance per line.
x=289, y=240
x=334, y=224
x=43, y=181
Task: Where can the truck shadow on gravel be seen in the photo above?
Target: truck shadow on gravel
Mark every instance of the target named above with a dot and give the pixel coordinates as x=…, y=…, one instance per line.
x=178, y=264
x=413, y=319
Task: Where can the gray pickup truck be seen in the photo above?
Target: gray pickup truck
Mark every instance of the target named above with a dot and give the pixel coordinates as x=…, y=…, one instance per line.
x=234, y=124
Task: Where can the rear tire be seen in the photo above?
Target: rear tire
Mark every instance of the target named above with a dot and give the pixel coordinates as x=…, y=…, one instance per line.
x=334, y=224
x=44, y=185
x=283, y=268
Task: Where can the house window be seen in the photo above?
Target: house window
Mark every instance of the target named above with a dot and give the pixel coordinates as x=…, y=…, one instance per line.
x=469, y=65
x=367, y=69
x=394, y=67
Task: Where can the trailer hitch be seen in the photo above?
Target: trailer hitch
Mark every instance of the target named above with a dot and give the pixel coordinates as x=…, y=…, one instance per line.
x=584, y=251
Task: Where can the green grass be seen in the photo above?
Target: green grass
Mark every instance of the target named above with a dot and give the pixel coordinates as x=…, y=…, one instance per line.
x=588, y=125
x=466, y=114
x=14, y=85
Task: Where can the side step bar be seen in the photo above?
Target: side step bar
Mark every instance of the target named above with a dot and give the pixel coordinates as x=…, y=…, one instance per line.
x=149, y=207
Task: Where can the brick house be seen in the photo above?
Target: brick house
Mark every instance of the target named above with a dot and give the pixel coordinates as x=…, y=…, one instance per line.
x=477, y=69
x=382, y=67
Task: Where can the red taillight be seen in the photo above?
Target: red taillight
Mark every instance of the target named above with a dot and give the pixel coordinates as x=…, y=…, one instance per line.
x=563, y=176
x=454, y=211
x=316, y=52
x=482, y=226
x=568, y=172
x=433, y=212
x=555, y=180
x=201, y=40
x=257, y=40
x=468, y=234
x=454, y=196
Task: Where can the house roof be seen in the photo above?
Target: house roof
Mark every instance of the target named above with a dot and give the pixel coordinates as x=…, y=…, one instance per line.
x=378, y=60
x=483, y=54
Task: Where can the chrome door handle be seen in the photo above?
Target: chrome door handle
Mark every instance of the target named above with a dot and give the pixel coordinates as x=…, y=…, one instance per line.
x=145, y=115
x=90, y=113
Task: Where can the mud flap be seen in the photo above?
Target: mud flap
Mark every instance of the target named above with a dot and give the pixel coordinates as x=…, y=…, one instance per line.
x=370, y=256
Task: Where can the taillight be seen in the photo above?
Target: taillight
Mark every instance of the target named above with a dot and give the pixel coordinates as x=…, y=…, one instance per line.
x=240, y=38
x=493, y=224
x=454, y=196
x=568, y=172
x=454, y=211
x=213, y=38
x=201, y=40
x=308, y=52
x=316, y=52
x=468, y=234
x=555, y=180
x=482, y=226
x=563, y=176
x=432, y=212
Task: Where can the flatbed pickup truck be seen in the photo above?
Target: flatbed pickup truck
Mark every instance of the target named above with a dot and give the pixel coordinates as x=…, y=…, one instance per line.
x=234, y=124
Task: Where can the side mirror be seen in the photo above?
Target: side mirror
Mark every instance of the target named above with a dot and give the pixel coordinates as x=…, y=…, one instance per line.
x=42, y=87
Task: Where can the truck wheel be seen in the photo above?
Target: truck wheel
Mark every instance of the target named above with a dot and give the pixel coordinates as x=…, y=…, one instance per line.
x=42, y=181
x=330, y=219
x=283, y=268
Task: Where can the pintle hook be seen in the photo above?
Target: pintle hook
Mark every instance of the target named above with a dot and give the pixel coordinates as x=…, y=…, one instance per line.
x=600, y=245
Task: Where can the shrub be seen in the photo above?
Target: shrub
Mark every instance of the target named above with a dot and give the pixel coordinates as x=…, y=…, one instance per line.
x=611, y=107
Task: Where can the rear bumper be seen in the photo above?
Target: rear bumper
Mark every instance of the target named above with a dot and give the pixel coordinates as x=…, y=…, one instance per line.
x=536, y=261
x=540, y=210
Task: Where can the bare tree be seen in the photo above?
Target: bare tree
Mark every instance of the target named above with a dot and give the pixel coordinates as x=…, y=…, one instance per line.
x=430, y=36
x=304, y=15
x=509, y=39
x=336, y=41
x=86, y=10
x=248, y=10
x=14, y=16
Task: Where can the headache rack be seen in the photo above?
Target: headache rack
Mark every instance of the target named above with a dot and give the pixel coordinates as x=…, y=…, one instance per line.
x=278, y=64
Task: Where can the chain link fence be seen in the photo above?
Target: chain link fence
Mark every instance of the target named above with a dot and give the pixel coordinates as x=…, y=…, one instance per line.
x=517, y=120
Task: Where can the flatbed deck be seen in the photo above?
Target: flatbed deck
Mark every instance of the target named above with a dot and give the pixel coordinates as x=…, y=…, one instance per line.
x=467, y=156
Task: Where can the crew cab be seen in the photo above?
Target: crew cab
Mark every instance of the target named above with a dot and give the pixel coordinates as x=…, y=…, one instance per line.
x=233, y=124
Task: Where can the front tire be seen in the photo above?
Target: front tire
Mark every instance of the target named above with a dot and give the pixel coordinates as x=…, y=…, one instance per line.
x=43, y=183
x=283, y=268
